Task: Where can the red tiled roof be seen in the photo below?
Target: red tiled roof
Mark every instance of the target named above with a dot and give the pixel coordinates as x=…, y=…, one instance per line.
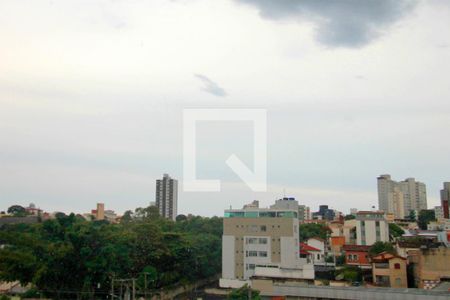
x=359, y=248
x=306, y=247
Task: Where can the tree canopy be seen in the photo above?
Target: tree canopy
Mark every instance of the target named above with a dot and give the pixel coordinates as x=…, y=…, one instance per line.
x=425, y=217
x=309, y=230
x=68, y=257
x=395, y=231
x=379, y=247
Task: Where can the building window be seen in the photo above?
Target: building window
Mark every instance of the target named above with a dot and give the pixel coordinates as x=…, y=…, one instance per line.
x=398, y=281
x=251, y=253
x=263, y=241
x=397, y=266
x=262, y=253
x=263, y=228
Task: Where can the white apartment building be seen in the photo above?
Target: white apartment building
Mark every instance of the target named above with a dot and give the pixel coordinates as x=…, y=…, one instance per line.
x=261, y=242
x=399, y=198
x=438, y=212
x=371, y=226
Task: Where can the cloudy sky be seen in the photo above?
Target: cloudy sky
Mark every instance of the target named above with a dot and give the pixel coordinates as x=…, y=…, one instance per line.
x=92, y=96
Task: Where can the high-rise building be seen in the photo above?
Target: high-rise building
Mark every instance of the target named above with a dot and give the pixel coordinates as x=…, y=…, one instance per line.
x=445, y=200
x=414, y=194
x=100, y=211
x=167, y=196
x=371, y=227
x=261, y=242
x=304, y=213
x=392, y=195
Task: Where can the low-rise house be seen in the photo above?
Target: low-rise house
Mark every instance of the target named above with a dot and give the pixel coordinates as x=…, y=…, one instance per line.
x=389, y=270
x=318, y=243
x=310, y=253
x=357, y=255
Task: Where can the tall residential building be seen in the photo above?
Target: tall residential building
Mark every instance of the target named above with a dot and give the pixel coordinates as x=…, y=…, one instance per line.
x=304, y=213
x=167, y=196
x=445, y=200
x=371, y=227
x=261, y=242
x=100, y=211
x=396, y=203
x=392, y=195
x=414, y=194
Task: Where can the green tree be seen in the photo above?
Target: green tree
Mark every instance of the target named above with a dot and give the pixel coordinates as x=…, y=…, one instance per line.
x=379, y=247
x=244, y=293
x=412, y=215
x=71, y=254
x=425, y=217
x=17, y=211
x=395, y=231
x=349, y=217
x=349, y=273
x=309, y=230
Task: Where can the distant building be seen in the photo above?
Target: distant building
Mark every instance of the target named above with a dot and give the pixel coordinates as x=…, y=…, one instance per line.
x=261, y=242
x=324, y=213
x=401, y=197
x=371, y=227
x=438, y=212
x=445, y=200
x=389, y=270
x=100, y=212
x=32, y=210
x=167, y=197
x=111, y=216
x=304, y=213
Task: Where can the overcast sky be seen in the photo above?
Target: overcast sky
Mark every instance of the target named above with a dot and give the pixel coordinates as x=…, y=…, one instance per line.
x=92, y=95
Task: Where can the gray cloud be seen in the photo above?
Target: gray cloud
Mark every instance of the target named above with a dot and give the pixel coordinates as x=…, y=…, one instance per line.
x=346, y=23
x=210, y=86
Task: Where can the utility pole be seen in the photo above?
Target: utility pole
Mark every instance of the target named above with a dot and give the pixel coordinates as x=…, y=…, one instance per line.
x=134, y=288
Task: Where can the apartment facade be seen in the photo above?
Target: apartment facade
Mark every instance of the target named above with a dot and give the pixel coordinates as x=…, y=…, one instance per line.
x=167, y=197
x=260, y=242
x=371, y=227
x=399, y=198
x=445, y=199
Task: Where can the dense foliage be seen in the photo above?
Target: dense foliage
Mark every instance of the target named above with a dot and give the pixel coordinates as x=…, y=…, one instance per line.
x=379, y=247
x=425, y=217
x=244, y=293
x=69, y=257
x=309, y=230
x=395, y=231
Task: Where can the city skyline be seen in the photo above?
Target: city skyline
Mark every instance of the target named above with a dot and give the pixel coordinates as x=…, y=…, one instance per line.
x=92, y=98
